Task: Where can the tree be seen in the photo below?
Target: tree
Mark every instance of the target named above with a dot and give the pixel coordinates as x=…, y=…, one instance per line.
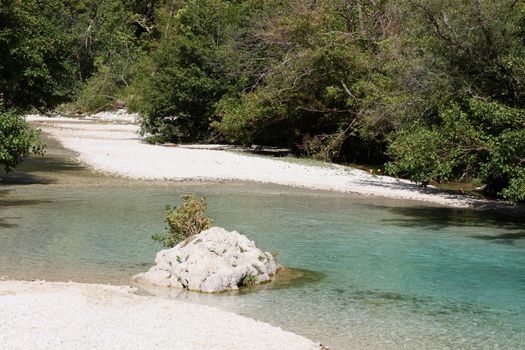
x=315, y=93
x=35, y=71
x=187, y=71
x=109, y=37
x=464, y=86
x=36, y=67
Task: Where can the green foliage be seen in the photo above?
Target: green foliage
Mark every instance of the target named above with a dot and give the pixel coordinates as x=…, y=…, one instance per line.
x=187, y=73
x=17, y=140
x=99, y=93
x=322, y=89
x=465, y=118
x=481, y=140
x=36, y=61
x=36, y=71
x=468, y=48
x=184, y=221
x=415, y=154
x=433, y=88
x=110, y=38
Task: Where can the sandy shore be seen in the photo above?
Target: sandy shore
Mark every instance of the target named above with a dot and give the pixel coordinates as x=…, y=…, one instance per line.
x=45, y=315
x=116, y=148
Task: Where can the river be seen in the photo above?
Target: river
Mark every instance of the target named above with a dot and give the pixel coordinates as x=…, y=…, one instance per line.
x=369, y=273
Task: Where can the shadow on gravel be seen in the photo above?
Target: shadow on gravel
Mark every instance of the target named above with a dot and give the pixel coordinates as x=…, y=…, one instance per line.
x=477, y=200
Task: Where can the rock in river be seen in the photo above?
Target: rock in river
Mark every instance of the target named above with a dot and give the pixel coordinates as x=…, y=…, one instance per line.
x=212, y=261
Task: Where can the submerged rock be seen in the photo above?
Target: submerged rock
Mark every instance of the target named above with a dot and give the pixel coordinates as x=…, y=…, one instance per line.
x=212, y=261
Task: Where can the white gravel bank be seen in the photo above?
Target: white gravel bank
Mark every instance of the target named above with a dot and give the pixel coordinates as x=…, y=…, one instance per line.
x=116, y=148
x=44, y=315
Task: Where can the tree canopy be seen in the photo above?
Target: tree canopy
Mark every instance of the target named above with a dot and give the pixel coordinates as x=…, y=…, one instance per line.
x=36, y=68
x=35, y=72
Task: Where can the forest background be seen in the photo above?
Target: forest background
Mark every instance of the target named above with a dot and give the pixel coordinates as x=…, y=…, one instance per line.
x=431, y=90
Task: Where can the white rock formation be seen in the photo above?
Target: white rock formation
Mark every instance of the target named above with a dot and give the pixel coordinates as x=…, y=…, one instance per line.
x=212, y=261
x=120, y=115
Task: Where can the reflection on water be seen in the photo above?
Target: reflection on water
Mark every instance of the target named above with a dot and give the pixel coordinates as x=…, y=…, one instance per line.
x=367, y=273
x=511, y=219
x=506, y=238
x=5, y=222
x=437, y=218
x=18, y=178
x=20, y=202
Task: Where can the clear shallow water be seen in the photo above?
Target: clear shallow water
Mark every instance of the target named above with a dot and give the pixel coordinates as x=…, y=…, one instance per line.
x=377, y=276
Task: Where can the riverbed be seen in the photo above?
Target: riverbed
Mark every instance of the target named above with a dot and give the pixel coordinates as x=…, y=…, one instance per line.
x=369, y=273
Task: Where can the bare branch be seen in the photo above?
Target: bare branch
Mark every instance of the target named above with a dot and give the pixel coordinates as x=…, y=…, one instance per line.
x=347, y=90
x=296, y=80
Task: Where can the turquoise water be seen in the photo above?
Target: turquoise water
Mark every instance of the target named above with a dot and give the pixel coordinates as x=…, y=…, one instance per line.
x=374, y=274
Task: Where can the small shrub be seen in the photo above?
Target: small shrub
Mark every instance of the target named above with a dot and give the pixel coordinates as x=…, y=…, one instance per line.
x=184, y=221
x=100, y=93
x=154, y=139
x=17, y=139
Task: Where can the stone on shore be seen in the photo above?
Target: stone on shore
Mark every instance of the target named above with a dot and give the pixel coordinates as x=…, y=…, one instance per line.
x=215, y=260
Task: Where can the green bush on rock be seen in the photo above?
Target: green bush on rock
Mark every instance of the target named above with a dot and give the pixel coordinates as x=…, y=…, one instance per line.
x=200, y=258
x=184, y=221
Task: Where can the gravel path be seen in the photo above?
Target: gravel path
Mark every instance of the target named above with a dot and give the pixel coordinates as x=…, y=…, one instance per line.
x=44, y=315
x=115, y=148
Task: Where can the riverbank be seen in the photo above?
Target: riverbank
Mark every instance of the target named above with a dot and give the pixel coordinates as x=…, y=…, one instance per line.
x=114, y=147
x=49, y=315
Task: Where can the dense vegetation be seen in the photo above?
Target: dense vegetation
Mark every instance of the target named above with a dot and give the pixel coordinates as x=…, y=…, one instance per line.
x=34, y=72
x=432, y=89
